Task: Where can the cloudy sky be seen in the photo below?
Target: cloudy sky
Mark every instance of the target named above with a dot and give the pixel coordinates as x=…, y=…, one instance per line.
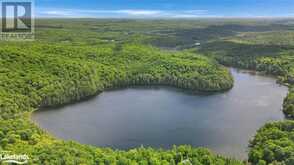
x=164, y=8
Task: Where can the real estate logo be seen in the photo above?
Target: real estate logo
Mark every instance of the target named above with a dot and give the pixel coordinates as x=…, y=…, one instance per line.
x=6, y=157
x=17, y=22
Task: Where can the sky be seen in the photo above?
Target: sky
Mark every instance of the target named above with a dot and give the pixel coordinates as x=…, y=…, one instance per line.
x=163, y=8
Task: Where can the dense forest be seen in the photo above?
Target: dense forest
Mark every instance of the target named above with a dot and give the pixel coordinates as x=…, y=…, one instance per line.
x=37, y=74
x=75, y=59
x=270, y=52
x=273, y=143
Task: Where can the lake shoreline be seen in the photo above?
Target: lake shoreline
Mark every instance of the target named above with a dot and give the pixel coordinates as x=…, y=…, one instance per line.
x=159, y=88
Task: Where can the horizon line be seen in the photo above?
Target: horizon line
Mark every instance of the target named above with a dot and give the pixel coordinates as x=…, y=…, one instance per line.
x=175, y=18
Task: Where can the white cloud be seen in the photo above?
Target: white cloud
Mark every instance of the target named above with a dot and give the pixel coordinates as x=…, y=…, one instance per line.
x=57, y=13
x=139, y=12
x=125, y=13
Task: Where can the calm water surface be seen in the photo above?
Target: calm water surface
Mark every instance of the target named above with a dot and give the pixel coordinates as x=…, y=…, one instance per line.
x=162, y=117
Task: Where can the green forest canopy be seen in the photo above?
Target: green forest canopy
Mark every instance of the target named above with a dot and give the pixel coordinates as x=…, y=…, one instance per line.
x=74, y=59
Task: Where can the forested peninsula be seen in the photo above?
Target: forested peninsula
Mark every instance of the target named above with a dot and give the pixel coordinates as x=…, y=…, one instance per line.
x=35, y=75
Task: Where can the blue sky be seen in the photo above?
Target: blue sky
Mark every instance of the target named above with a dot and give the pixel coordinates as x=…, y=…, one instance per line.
x=164, y=8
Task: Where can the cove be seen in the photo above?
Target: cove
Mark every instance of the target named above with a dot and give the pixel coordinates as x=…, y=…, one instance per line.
x=162, y=117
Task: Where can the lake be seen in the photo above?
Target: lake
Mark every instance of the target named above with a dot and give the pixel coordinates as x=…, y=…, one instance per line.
x=163, y=116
